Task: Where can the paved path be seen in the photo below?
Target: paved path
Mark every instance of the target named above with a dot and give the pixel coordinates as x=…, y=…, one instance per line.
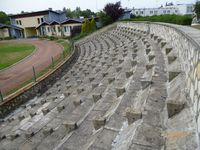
x=21, y=72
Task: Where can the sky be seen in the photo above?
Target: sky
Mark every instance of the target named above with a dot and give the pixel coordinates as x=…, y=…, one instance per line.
x=16, y=6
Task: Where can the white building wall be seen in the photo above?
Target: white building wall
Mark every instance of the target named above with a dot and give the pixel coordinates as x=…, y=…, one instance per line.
x=185, y=9
x=175, y=9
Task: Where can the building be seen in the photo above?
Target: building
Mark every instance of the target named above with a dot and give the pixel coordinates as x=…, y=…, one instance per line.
x=10, y=31
x=59, y=28
x=44, y=23
x=180, y=9
x=126, y=14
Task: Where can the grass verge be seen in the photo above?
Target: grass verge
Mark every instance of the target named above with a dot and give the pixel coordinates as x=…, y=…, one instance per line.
x=67, y=50
x=11, y=53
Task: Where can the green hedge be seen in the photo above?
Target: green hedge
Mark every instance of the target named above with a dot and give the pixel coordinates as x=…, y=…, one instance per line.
x=175, y=19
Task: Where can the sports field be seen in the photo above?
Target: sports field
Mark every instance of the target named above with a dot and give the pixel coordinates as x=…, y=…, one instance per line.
x=10, y=53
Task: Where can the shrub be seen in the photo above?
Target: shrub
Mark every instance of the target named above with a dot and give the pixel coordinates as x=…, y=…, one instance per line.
x=88, y=26
x=93, y=24
x=52, y=38
x=176, y=19
x=83, y=28
x=8, y=38
x=197, y=9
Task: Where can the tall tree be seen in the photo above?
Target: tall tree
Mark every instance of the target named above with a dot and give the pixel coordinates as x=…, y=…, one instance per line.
x=4, y=18
x=77, y=12
x=93, y=24
x=104, y=18
x=87, y=13
x=69, y=13
x=110, y=13
x=88, y=25
x=83, y=28
x=197, y=9
x=114, y=10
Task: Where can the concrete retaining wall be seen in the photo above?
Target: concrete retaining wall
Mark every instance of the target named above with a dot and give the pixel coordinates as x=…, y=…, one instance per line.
x=188, y=51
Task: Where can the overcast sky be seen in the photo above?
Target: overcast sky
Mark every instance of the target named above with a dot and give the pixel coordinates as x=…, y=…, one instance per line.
x=16, y=6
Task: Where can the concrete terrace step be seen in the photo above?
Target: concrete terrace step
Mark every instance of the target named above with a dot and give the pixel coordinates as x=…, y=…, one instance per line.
x=123, y=92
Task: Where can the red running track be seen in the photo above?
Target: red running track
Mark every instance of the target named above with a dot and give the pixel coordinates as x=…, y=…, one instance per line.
x=22, y=71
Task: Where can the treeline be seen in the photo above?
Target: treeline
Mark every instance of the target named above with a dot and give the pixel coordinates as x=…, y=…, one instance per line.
x=175, y=19
x=4, y=18
x=78, y=13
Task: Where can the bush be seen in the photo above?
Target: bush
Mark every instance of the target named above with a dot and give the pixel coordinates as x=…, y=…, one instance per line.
x=87, y=26
x=79, y=36
x=104, y=19
x=83, y=28
x=8, y=38
x=93, y=24
x=52, y=38
x=197, y=9
x=175, y=19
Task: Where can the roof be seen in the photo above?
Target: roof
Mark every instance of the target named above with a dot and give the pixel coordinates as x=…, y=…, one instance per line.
x=127, y=11
x=67, y=21
x=54, y=22
x=37, y=13
x=9, y=26
x=72, y=21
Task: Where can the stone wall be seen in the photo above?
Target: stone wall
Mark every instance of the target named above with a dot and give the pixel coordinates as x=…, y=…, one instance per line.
x=38, y=88
x=189, y=55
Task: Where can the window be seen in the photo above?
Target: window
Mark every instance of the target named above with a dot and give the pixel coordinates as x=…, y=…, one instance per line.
x=20, y=22
x=136, y=12
x=53, y=29
x=151, y=12
x=189, y=9
x=168, y=11
x=48, y=28
x=17, y=22
x=42, y=19
x=58, y=29
x=164, y=11
x=141, y=12
x=38, y=19
x=65, y=29
x=155, y=12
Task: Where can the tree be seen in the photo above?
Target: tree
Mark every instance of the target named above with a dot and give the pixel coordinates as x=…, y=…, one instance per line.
x=111, y=13
x=197, y=9
x=88, y=25
x=77, y=12
x=114, y=10
x=104, y=18
x=87, y=13
x=83, y=28
x=69, y=13
x=93, y=24
x=4, y=18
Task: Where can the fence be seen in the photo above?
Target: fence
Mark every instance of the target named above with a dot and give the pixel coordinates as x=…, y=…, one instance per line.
x=36, y=71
